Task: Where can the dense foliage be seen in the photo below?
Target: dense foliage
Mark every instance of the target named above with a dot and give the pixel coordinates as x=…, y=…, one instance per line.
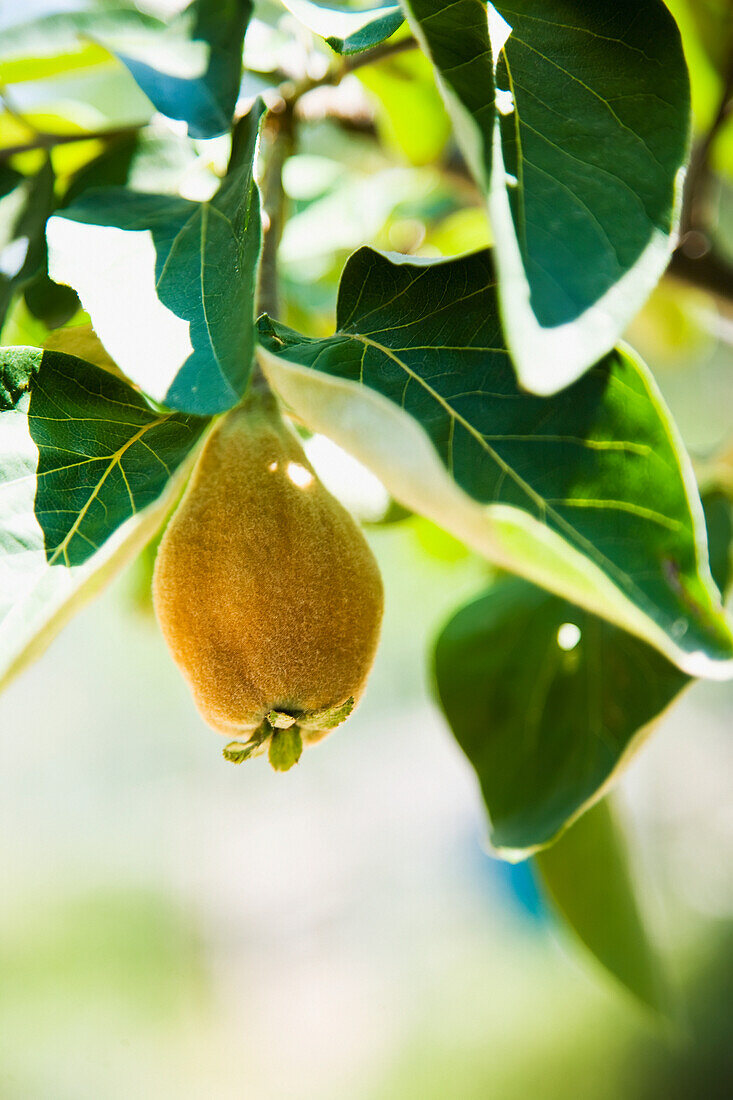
x=178, y=198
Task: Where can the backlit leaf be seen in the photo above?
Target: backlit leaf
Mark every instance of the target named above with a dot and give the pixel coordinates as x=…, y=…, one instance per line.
x=348, y=32
x=170, y=283
x=588, y=493
x=581, y=159
x=87, y=472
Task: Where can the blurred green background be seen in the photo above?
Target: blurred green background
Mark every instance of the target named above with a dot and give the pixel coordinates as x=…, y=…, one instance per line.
x=173, y=926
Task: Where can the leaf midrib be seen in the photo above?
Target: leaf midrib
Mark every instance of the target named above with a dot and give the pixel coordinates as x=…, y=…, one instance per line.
x=544, y=507
x=115, y=459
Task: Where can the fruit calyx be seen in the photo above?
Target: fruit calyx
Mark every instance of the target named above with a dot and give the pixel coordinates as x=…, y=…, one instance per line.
x=282, y=732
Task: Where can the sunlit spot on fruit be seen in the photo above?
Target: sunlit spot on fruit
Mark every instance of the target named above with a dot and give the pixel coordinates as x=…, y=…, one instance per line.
x=299, y=475
x=568, y=636
x=272, y=467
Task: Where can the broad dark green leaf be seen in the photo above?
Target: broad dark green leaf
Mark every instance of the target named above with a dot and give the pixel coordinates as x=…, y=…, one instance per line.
x=190, y=68
x=589, y=881
x=25, y=204
x=548, y=702
x=588, y=493
x=169, y=283
x=345, y=31
x=87, y=470
x=582, y=160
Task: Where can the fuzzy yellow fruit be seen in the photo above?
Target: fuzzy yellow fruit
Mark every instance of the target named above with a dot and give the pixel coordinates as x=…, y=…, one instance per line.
x=265, y=589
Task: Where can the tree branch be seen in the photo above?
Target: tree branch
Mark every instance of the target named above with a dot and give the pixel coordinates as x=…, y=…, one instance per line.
x=708, y=272
x=348, y=65
x=49, y=141
x=698, y=173
x=279, y=135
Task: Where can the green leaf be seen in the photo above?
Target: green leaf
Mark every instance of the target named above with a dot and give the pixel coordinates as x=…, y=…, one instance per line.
x=236, y=752
x=190, y=68
x=589, y=881
x=348, y=32
x=455, y=36
x=719, y=523
x=206, y=102
x=548, y=702
x=170, y=284
x=582, y=160
x=25, y=204
x=588, y=493
x=87, y=473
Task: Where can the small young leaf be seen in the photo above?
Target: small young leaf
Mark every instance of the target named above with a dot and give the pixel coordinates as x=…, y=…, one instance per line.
x=588, y=493
x=579, y=136
x=280, y=720
x=25, y=205
x=87, y=473
x=348, y=32
x=170, y=284
x=50, y=302
x=588, y=879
